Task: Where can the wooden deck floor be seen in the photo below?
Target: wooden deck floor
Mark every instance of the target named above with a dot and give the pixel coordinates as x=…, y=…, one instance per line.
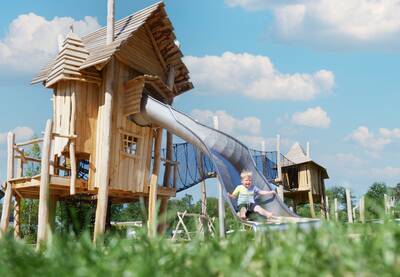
x=29, y=187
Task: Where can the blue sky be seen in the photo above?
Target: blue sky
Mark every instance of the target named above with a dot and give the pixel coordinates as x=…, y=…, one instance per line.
x=323, y=71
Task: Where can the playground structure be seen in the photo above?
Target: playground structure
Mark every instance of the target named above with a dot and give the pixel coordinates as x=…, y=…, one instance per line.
x=303, y=179
x=112, y=96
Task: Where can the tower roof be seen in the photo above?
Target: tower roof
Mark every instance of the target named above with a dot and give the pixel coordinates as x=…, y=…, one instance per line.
x=156, y=20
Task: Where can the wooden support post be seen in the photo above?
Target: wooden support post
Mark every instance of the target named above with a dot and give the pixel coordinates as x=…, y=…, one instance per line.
x=162, y=215
x=5, y=214
x=322, y=206
x=20, y=167
x=152, y=218
x=72, y=145
x=362, y=209
x=349, y=208
x=52, y=212
x=311, y=201
x=44, y=196
x=203, y=192
x=327, y=207
x=17, y=217
x=168, y=157
x=104, y=165
x=221, y=202
x=168, y=154
x=280, y=192
x=335, y=209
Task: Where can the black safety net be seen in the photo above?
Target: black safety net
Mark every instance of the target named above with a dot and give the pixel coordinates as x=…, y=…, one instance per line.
x=192, y=167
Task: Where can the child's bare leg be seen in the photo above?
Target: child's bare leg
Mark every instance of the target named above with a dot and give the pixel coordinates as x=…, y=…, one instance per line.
x=263, y=212
x=243, y=212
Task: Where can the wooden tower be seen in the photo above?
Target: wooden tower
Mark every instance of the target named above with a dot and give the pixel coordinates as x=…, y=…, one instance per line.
x=97, y=82
x=304, y=180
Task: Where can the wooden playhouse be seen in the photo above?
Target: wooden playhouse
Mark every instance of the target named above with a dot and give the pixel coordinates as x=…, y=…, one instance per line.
x=304, y=180
x=91, y=146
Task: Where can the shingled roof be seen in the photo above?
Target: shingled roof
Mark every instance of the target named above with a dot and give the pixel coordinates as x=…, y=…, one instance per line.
x=156, y=19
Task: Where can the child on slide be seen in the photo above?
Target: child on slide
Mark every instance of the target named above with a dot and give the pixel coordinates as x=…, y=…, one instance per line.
x=245, y=194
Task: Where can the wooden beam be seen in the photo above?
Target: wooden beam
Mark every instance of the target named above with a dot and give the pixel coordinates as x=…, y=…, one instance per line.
x=44, y=195
x=104, y=164
x=33, y=141
x=152, y=218
x=311, y=201
x=280, y=192
x=5, y=214
x=110, y=21
x=156, y=48
x=20, y=166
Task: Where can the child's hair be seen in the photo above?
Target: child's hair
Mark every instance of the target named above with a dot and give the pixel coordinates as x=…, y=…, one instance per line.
x=245, y=173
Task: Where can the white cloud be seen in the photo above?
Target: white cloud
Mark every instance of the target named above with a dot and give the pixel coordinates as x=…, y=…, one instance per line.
x=32, y=40
x=333, y=23
x=368, y=140
x=386, y=172
x=21, y=133
x=312, y=117
x=256, y=77
x=228, y=123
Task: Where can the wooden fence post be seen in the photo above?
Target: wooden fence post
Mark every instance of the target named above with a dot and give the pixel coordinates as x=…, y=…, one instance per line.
x=44, y=196
x=335, y=208
x=5, y=215
x=327, y=207
x=362, y=209
x=349, y=208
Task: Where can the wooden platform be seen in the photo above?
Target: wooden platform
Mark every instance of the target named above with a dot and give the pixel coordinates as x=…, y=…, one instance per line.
x=29, y=187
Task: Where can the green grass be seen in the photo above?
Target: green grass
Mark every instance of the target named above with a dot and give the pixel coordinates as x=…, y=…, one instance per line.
x=332, y=250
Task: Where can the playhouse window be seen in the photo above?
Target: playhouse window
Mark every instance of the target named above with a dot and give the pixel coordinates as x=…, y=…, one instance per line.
x=129, y=144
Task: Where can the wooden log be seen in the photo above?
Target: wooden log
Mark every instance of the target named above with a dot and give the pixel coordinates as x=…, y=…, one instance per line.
x=5, y=214
x=362, y=209
x=17, y=217
x=104, y=164
x=44, y=194
x=335, y=209
x=72, y=145
x=349, y=208
x=152, y=217
x=311, y=202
